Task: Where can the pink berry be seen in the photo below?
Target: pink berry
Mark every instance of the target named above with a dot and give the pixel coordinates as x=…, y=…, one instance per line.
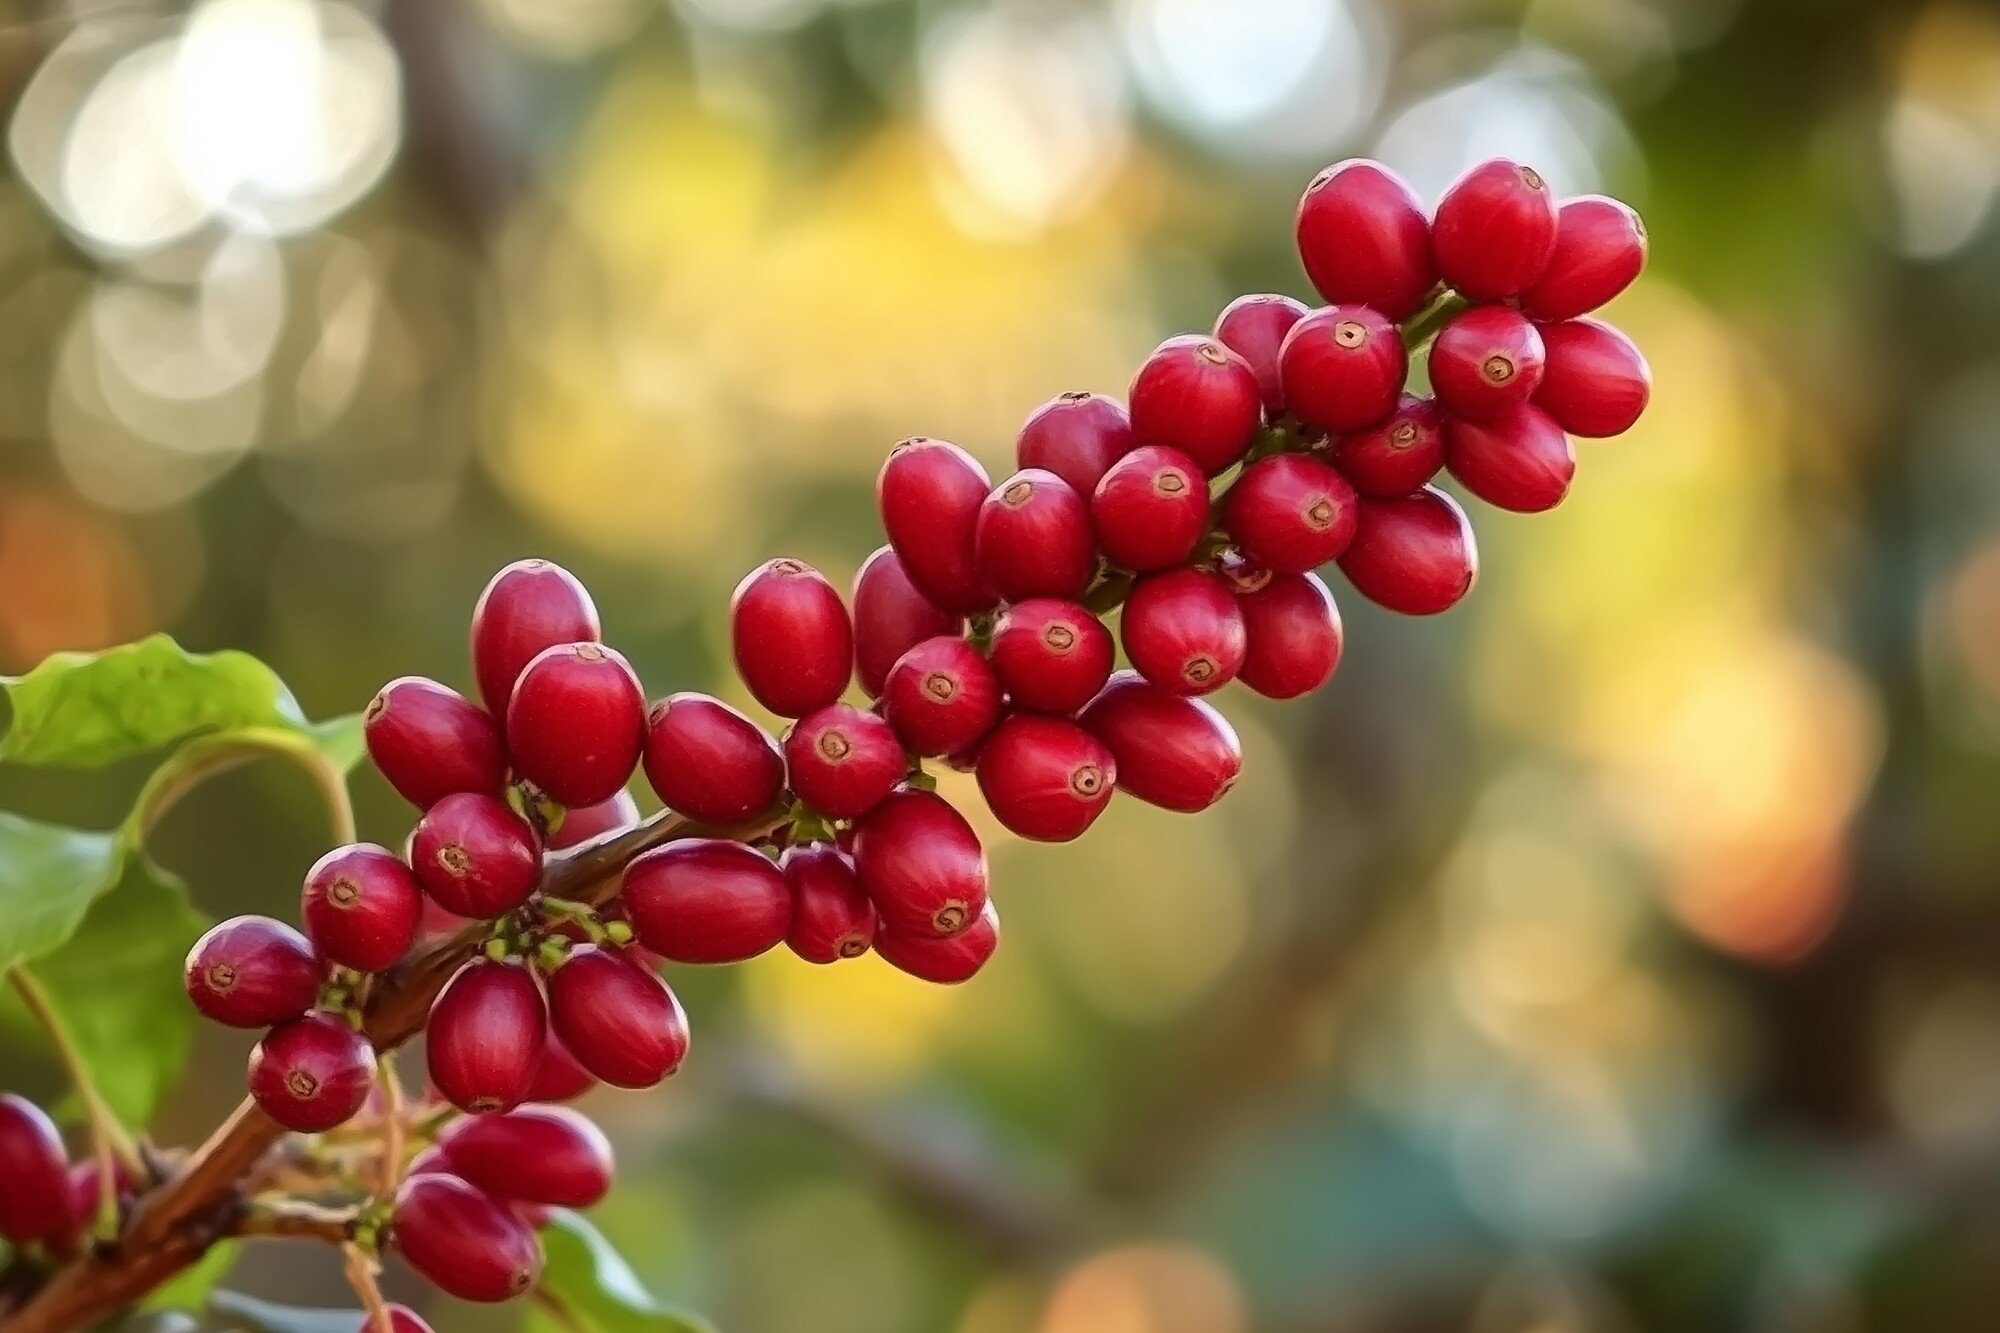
x=619, y=1020
x=35, y=1205
x=1195, y=395
x=86, y=1193
x=312, y=1073
x=1033, y=538
x=466, y=1242
x=402, y=1319
x=706, y=900
x=709, y=762
x=575, y=725
x=943, y=961
x=251, y=972
x=530, y=605
x=1151, y=508
x=581, y=823
x=921, y=864
x=1364, y=239
x=558, y=1076
x=1397, y=456
x=430, y=741
x=929, y=492
x=484, y=1038
x=1045, y=778
x=1600, y=250
x=1597, y=383
x=475, y=856
x=535, y=1154
x=1172, y=751
x=831, y=915
x=1290, y=513
x=1495, y=231
x=1051, y=656
x=1294, y=635
x=1183, y=631
x=891, y=616
x=941, y=697
x=1414, y=555
x=1521, y=462
x=843, y=760
x=1486, y=363
x=361, y=905
x=1077, y=436
x=1254, y=327
x=793, y=642
x=1343, y=367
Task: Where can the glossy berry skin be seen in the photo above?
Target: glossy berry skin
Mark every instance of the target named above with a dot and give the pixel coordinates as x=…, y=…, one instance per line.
x=1397, y=456
x=832, y=918
x=705, y=900
x=1254, y=327
x=1195, y=395
x=528, y=606
x=948, y=961
x=1046, y=778
x=1343, y=367
x=709, y=762
x=929, y=493
x=1051, y=656
x=575, y=725
x=941, y=697
x=1521, y=462
x=1183, y=631
x=891, y=616
x=581, y=823
x=1486, y=363
x=843, y=760
x=1414, y=555
x=312, y=1073
x=1294, y=635
x=618, y=1019
x=1033, y=538
x=1597, y=383
x=793, y=642
x=558, y=1076
x=1600, y=250
x=1364, y=239
x=361, y=906
x=402, y=1319
x=466, y=1242
x=430, y=741
x=251, y=972
x=484, y=1039
x=1077, y=436
x=1290, y=513
x=35, y=1205
x=1172, y=751
x=1151, y=508
x=1495, y=231
x=921, y=864
x=534, y=1154
x=475, y=856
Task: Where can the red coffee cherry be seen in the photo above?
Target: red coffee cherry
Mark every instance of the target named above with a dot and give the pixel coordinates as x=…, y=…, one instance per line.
x=618, y=1019
x=844, y=760
x=1033, y=538
x=929, y=492
x=1172, y=751
x=484, y=1039
x=1294, y=635
x=1413, y=555
x=530, y=605
x=1522, y=461
x=402, y=1319
x=1486, y=363
x=921, y=864
x=575, y=726
x=793, y=642
x=430, y=741
x=251, y=972
x=891, y=616
x=1051, y=656
x=1077, y=436
x=1254, y=327
x=361, y=906
x=1195, y=395
x=941, y=697
x=312, y=1073
x=1290, y=513
x=1600, y=250
x=1045, y=778
x=558, y=1076
x=709, y=762
x=943, y=961
x=1364, y=239
x=1151, y=508
x=705, y=900
x=466, y=1242
x=831, y=915
x=581, y=823
x=1597, y=383
x=35, y=1205
x=1343, y=367
x=86, y=1196
x=1495, y=231
x=1397, y=456
x=535, y=1154
x=1183, y=631
x=475, y=856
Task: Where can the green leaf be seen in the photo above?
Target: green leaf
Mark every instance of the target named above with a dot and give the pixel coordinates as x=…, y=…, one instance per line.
x=596, y=1290
x=270, y=1317
x=190, y=1290
x=49, y=877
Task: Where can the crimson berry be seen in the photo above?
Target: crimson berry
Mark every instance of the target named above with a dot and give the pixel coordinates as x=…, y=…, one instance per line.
x=891, y=616
x=537, y=1154
x=921, y=864
x=1077, y=436
x=1343, y=367
x=1597, y=382
x=1364, y=239
x=929, y=492
x=843, y=760
x=1151, y=508
x=1052, y=656
x=831, y=915
x=1294, y=635
x=475, y=856
x=1522, y=461
x=402, y=1319
x=251, y=972
x=361, y=905
x=581, y=823
x=1487, y=362
x=1600, y=250
x=466, y=1242
x=1413, y=554
x=706, y=900
x=1172, y=751
x=943, y=961
x=430, y=741
x=1290, y=513
x=86, y=1193
x=618, y=1019
x=35, y=1205
x=558, y=1076
x=530, y=605
x=1254, y=327
x=793, y=641
x=1033, y=538
x=1045, y=778
x=709, y=762
x=484, y=1038
x=1495, y=231
x=941, y=697
x=576, y=723
x=1396, y=456
x=1195, y=395
x=431, y=1161
x=1183, y=631
x=312, y=1073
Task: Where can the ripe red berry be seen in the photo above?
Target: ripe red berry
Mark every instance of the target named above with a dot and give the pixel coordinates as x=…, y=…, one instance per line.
x=947, y=961
x=1364, y=239
x=575, y=725
x=1290, y=513
x=402, y=1319
x=1254, y=327
x=1195, y=395
x=929, y=492
x=1396, y=456
x=618, y=1019
x=1600, y=250
x=1294, y=635
x=475, y=856
x=35, y=1205
x=1077, y=436
x=1033, y=538
x=921, y=864
x=709, y=762
x=891, y=616
x=1172, y=751
x=530, y=605
x=86, y=1194
x=793, y=642
x=1486, y=363
x=312, y=1073
x=1051, y=656
x=941, y=697
x=1522, y=461
x=361, y=906
x=484, y=1039
x=251, y=972
x=831, y=915
x=535, y=1154
x=705, y=900
x=1045, y=778
x=1495, y=231
x=1413, y=554
x=1151, y=508
x=1183, y=631
x=558, y=1076
x=466, y=1242
x=843, y=760
x=1343, y=367
x=581, y=823
x=430, y=741
x=1597, y=383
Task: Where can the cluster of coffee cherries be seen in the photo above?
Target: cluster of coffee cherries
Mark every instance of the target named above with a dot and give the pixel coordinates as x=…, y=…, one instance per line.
x=46, y=1199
